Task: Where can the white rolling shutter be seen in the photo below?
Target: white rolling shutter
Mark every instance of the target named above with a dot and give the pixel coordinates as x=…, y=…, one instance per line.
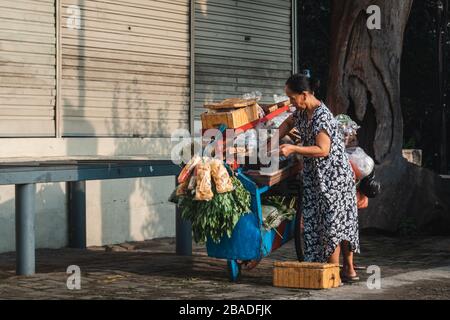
x=125, y=71
x=27, y=68
x=241, y=46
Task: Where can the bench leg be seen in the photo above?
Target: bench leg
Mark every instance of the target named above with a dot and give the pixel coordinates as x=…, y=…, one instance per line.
x=183, y=234
x=25, y=229
x=76, y=192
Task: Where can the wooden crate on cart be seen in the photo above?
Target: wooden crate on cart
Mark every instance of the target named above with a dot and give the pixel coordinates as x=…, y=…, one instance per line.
x=233, y=113
x=231, y=118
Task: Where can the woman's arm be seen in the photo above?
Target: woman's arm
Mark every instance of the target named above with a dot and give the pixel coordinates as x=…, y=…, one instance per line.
x=283, y=130
x=320, y=150
x=286, y=126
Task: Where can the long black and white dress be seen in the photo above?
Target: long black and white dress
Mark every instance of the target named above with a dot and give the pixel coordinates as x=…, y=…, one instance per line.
x=329, y=207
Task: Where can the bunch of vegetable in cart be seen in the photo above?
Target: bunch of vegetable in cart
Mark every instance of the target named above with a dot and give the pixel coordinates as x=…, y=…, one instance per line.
x=211, y=199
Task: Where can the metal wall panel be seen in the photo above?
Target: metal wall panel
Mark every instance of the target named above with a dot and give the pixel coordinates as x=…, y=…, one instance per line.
x=241, y=46
x=27, y=68
x=125, y=71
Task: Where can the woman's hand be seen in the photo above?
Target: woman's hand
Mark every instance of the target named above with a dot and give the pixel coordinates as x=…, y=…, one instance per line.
x=320, y=150
x=286, y=150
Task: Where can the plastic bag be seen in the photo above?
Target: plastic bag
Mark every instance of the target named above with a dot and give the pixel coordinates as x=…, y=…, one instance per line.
x=220, y=176
x=192, y=182
x=369, y=186
x=186, y=172
x=203, y=191
x=362, y=164
x=271, y=217
x=182, y=189
x=347, y=126
x=254, y=95
x=276, y=122
x=280, y=98
x=249, y=139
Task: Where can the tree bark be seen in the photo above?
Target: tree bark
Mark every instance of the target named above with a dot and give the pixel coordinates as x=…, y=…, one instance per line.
x=364, y=82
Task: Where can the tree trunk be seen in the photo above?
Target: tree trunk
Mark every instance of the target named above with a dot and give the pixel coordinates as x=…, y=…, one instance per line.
x=364, y=82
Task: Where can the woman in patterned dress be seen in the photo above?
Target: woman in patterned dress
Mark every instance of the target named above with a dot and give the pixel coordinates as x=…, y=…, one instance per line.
x=329, y=193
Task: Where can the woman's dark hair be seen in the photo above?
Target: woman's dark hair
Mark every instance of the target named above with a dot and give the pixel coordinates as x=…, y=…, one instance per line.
x=301, y=82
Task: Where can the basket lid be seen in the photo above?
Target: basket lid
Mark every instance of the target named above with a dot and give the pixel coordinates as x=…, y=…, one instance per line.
x=305, y=265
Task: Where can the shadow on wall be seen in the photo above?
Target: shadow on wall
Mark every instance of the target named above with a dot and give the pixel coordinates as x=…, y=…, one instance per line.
x=51, y=222
x=73, y=146
x=130, y=209
x=145, y=199
x=121, y=209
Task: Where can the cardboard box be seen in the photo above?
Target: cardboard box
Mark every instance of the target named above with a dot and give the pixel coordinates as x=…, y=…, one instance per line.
x=306, y=275
x=232, y=119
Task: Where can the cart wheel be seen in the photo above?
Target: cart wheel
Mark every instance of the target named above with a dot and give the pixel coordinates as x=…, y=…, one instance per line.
x=234, y=270
x=298, y=235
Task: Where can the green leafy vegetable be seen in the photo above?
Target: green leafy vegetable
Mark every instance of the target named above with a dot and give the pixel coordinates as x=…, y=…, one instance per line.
x=218, y=217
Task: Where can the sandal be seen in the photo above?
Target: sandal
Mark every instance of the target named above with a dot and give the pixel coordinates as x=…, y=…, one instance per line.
x=349, y=279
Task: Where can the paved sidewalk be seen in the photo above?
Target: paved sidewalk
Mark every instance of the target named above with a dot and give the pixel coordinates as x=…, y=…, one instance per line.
x=412, y=268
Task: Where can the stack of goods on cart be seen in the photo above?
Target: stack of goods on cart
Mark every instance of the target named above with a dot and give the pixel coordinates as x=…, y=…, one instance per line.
x=362, y=164
x=211, y=198
x=244, y=112
x=237, y=112
x=279, y=101
x=267, y=173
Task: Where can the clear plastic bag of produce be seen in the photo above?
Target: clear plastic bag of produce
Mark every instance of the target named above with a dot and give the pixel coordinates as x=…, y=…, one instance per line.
x=363, y=165
x=276, y=122
x=254, y=95
x=203, y=191
x=347, y=126
x=220, y=176
x=248, y=139
x=277, y=209
x=280, y=98
x=272, y=219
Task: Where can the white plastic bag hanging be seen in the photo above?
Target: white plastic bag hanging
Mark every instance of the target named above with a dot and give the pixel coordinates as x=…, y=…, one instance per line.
x=362, y=163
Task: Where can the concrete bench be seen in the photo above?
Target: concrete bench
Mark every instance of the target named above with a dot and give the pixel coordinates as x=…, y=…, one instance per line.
x=25, y=176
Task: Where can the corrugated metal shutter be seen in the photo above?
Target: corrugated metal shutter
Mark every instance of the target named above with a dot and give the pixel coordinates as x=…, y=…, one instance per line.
x=241, y=46
x=27, y=68
x=126, y=70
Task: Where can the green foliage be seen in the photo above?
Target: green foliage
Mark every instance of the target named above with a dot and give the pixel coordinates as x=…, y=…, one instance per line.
x=218, y=217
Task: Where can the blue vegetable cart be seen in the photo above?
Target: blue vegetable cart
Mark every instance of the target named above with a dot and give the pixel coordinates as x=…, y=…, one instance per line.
x=250, y=241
